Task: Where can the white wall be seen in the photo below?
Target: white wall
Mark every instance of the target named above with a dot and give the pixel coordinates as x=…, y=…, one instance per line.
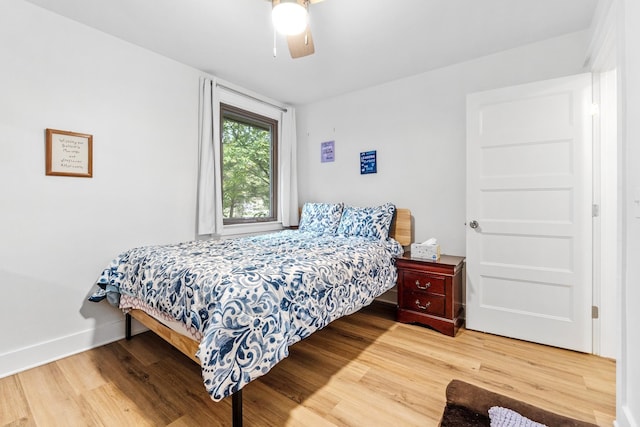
x=58, y=233
x=628, y=368
x=417, y=125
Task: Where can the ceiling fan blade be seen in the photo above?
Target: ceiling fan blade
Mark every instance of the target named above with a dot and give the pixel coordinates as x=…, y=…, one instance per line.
x=301, y=44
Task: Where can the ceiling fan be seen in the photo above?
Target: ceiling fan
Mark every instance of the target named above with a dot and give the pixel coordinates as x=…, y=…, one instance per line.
x=291, y=17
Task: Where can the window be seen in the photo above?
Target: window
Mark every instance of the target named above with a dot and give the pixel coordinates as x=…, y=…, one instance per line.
x=248, y=149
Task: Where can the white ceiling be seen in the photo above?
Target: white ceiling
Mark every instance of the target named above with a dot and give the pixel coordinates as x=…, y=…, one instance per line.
x=359, y=43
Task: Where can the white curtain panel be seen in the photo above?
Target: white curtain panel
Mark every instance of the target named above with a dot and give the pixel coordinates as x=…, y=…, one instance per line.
x=209, y=185
x=288, y=169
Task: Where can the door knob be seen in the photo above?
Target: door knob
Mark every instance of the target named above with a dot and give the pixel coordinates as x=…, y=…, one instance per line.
x=474, y=224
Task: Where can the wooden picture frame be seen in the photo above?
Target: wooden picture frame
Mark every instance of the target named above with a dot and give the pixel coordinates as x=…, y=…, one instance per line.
x=69, y=154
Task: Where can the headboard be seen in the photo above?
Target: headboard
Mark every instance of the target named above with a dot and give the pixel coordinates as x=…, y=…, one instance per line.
x=401, y=227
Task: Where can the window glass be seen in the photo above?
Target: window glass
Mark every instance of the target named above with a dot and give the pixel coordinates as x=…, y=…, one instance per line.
x=248, y=152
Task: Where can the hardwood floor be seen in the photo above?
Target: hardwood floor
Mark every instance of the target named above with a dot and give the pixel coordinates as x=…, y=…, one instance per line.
x=362, y=370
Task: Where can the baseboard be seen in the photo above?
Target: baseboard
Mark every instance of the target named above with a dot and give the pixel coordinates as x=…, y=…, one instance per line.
x=49, y=351
x=625, y=418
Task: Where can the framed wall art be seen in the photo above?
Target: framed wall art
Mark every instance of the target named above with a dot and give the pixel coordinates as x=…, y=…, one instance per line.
x=69, y=154
x=327, y=151
x=368, y=162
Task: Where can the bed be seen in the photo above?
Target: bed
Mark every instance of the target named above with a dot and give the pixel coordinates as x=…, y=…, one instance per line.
x=235, y=306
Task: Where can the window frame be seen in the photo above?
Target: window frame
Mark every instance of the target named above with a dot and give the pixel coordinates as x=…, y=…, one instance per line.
x=252, y=118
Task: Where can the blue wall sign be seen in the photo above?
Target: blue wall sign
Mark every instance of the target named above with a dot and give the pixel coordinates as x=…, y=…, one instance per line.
x=368, y=162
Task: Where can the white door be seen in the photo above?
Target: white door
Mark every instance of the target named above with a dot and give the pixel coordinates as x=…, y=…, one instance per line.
x=529, y=198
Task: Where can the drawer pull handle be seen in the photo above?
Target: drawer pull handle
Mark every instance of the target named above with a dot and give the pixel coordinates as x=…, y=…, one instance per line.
x=423, y=307
x=422, y=287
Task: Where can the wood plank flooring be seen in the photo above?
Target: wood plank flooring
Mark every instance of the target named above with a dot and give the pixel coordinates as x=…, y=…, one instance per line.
x=362, y=370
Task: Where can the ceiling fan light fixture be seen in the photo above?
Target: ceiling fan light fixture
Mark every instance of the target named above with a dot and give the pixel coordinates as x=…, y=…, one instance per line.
x=289, y=17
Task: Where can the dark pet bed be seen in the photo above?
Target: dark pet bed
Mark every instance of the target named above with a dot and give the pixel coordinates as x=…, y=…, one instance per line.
x=468, y=406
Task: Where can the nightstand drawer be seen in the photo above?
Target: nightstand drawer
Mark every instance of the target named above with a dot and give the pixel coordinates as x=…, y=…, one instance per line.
x=425, y=303
x=413, y=280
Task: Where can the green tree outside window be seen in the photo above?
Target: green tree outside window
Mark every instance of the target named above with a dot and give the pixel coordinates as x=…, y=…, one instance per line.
x=248, y=169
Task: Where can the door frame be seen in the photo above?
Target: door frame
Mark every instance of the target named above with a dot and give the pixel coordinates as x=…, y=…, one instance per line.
x=605, y=223
x=602, y=62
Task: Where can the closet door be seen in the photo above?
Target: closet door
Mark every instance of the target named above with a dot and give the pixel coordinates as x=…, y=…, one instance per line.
x=529, y=212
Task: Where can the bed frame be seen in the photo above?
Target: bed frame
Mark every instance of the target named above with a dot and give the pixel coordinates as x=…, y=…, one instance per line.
x=401, y=230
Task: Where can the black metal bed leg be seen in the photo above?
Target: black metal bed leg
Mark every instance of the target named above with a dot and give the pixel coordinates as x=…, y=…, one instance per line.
x=236, y=408
x=127, y=326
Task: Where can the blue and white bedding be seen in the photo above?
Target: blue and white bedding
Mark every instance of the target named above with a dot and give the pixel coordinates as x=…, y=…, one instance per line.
x=253, y=297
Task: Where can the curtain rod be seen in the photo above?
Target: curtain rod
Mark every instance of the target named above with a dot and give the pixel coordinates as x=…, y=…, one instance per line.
x=237, y=92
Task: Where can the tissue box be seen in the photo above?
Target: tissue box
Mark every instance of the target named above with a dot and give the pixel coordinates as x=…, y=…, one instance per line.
x=420, y=250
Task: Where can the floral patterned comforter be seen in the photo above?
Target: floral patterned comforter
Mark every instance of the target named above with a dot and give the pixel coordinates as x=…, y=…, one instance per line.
x=253, y=297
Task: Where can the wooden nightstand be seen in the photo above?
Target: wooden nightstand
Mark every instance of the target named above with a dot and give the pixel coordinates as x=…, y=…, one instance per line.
x=430, y=292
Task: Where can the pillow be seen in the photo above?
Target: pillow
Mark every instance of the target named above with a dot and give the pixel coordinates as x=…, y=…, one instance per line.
x=372, y=222
x=321, y=217
x=503, y=417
